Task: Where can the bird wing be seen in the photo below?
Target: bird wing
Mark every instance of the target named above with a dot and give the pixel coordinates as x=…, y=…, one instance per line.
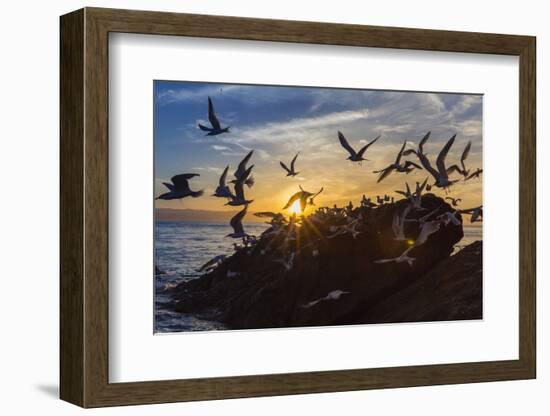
x=285, y=167
x=465, y=154
x=440, y=162
x=427, y=165
x=452, y=169
x=423, y=142
x=204, y=128
x=242, y=166
x=239, y=190
x=303, y=201
x=345, y=144
x=420, y=188
x=384, y=174
x=408, y=163
x=293, y=161
x=293, y=198
x=181, y=181
x=361, y=152
x=224, y=176
x=212, y=116
x=169, y=186
x=320, y=190
x=398, y=158
x=236, y=221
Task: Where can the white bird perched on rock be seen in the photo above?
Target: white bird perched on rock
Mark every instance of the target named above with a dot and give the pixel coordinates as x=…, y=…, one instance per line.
x=353, y=155
x=216, y=127
x=179, y=188
x=334, y=295
x=291, y=171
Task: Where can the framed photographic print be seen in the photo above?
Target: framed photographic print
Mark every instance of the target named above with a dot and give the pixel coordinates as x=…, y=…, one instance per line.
x=257, y=207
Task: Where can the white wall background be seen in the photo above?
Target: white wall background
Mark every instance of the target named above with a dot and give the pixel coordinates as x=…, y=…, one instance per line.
x=29, y=171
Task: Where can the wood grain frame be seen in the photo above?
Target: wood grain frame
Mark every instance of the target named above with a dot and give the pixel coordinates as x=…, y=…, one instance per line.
x=84, y=207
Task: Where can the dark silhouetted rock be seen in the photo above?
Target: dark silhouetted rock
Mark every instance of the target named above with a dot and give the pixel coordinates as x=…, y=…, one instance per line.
x=250, y=289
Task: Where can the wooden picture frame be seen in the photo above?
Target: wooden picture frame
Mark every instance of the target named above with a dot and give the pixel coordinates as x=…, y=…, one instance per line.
x=84, y=207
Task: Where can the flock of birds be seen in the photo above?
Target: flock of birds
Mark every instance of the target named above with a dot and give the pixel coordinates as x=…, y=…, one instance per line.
x=234, y=192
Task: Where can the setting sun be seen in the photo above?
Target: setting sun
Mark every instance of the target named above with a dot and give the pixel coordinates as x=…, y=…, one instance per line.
x=295, y=208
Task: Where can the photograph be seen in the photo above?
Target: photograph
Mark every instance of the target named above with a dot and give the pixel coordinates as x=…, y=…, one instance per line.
x=291, y=206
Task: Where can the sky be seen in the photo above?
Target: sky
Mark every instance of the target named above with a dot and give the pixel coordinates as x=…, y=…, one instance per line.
x=279, y=121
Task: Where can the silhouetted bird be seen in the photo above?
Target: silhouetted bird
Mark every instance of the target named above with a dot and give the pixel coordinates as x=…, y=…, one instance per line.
x=353, y=155
x=216, y=127
x=179, y=188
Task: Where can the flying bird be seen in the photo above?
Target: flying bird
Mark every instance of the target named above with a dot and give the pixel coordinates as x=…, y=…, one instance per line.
x=237, y=225
x=462, y=171
x=239, y=197
x=311, y=200
x=291, y=171
x=179, y=188
x=216, y=127
x=476, y=174
x=223, y=191
x=242, y=172
x=302, y=196
x=353, y=155
x=440, y=174
x=476, y=213
x=406, y=167
x=454, y=201
x=212, y=263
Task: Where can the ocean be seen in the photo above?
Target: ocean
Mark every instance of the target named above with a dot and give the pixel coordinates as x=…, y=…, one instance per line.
x=181, y=248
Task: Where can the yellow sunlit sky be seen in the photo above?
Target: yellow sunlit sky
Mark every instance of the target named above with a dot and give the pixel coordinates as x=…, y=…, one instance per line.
x=278, y=122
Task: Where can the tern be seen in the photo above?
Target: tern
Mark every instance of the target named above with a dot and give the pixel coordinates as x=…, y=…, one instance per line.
x=476, y=174
x=239, y=198
x=353, y=155
x=291, y=171
x=440, y=174
x=179, y=188
x=302, y=196
x=476, y=213
x=216, y=127
x=454, y=201
x=462, y=171
x=311, y=200
x=334, y=295
x=237, y=225
x=242, y=172
x=223, y=191
x=407, y=167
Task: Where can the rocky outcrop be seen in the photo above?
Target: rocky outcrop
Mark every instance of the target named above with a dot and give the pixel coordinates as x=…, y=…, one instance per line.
x=254, y=289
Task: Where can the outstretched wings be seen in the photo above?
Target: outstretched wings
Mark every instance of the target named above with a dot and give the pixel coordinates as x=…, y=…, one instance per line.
x=345, y=144
x=293, y=198
x=241, y=169
x=285, y=167
x=361, y=152
x=181, y=181
x=212, y=116
x=294, y=161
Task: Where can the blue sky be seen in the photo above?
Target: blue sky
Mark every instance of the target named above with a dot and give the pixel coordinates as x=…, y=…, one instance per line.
x=277, y=122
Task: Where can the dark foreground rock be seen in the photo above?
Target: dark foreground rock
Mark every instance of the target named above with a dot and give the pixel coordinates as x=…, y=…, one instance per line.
x=253, y=289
